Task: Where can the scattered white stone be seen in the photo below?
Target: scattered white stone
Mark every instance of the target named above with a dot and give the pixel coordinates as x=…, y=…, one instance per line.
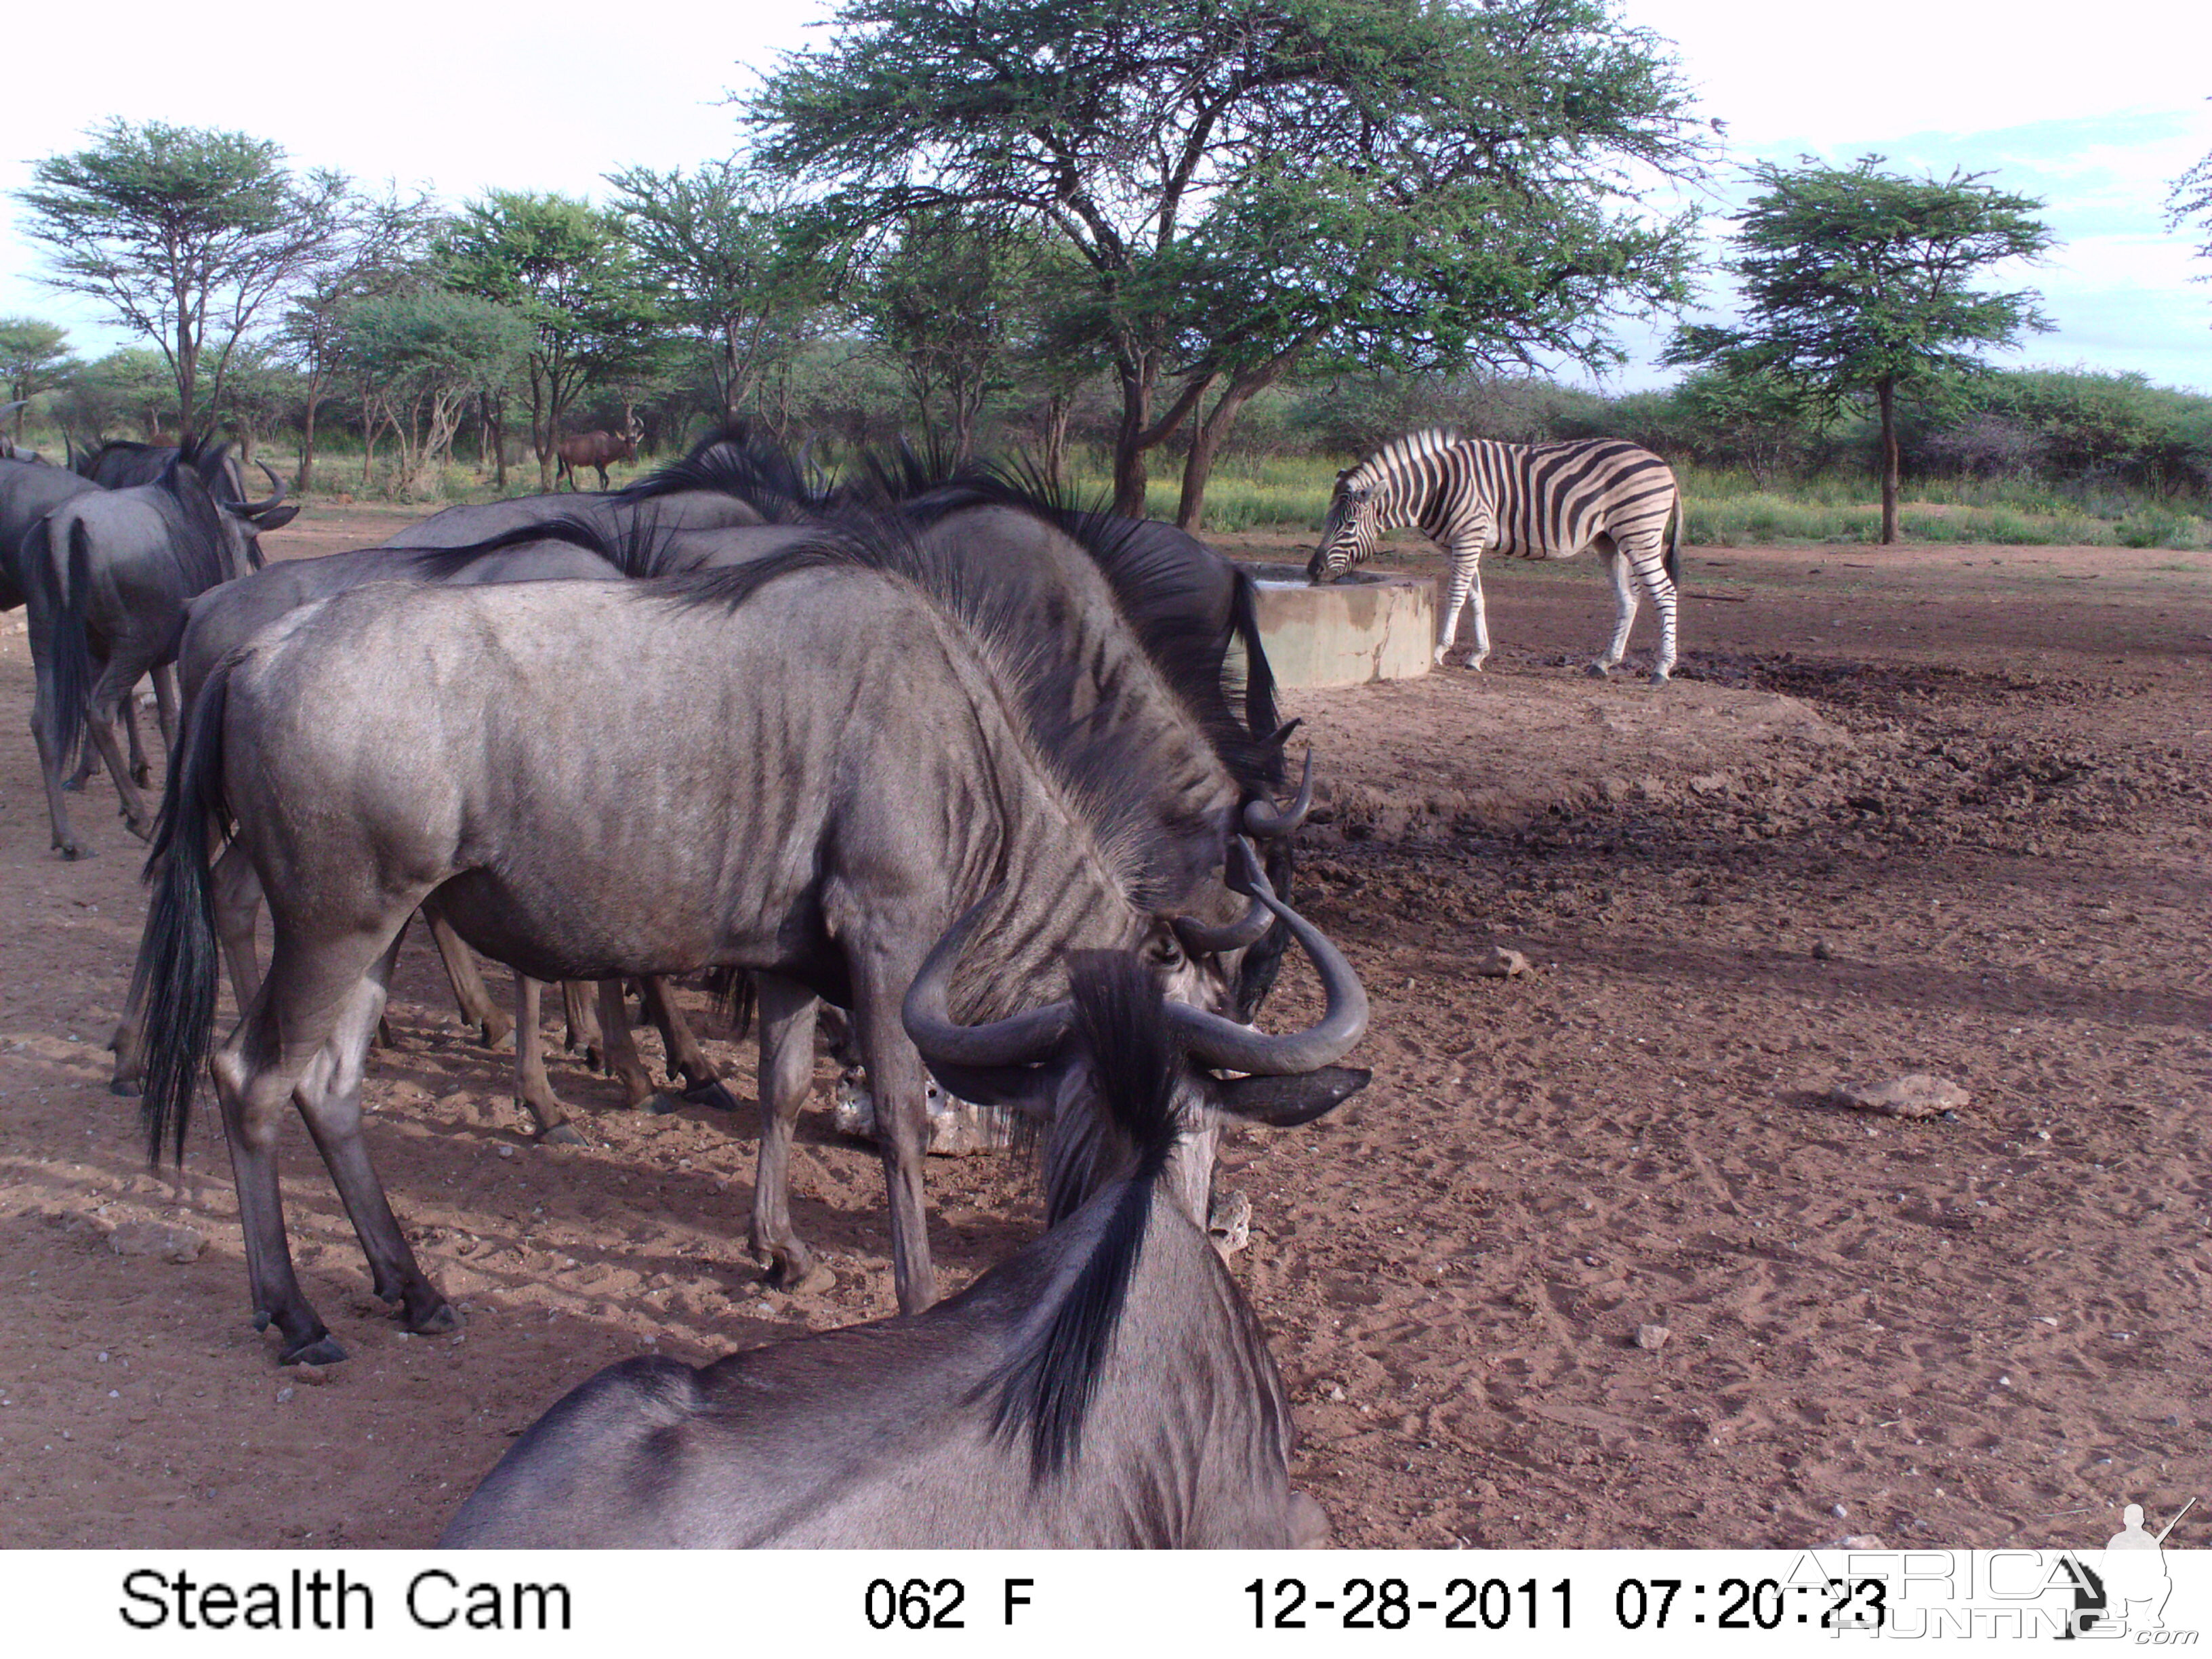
x=1918, y=1095
x=1336, y=1391
x=156, y=1238
x=284, y=1394
x=1498, y=963
x=506, y=1151
x=1652, y=1338
x=1839, y=1511
x=1228, y=1221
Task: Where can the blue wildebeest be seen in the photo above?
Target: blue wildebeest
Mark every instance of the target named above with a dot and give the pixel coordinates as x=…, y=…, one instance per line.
x=108, y=573
x=1107, y=1386
x=29, y=491
x=223, y=618
x=802, y=766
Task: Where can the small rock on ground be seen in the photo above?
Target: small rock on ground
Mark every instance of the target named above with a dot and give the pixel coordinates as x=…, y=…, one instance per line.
x=1498, y=963
x=156, y=1238
x=1919, y=1094
x=1652, y=1338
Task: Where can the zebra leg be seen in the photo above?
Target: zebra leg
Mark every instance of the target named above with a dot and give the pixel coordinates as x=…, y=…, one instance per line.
x=1465, y=583
x=1651, y=570
x=1624, y=611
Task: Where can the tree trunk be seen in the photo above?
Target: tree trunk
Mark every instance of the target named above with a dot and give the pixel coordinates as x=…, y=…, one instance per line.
x=305, y=481
x=1885, y=391
x=1205, y=442
x=1059, y=406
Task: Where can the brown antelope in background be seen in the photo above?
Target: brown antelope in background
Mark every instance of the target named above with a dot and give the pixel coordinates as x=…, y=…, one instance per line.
x=597, y=450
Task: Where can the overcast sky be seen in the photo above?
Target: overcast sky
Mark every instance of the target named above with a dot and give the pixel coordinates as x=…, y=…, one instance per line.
x=2095, y=119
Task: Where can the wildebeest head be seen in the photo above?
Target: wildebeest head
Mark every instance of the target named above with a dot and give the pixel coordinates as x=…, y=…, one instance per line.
x=1041, y=1061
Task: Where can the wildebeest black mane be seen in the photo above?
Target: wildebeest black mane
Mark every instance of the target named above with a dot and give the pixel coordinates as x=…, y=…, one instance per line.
x=734, y=460
x=1045, y=1387
x=196, y=530
x=1150, y=582
x=639, y=549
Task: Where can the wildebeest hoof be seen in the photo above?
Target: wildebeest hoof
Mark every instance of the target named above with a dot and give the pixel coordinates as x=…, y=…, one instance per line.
x=563, y=1134
x=72, y=852
x=74, y=786
x=142, y=828
x=814, y=1281
x=660, y=1103
x=141, y=775
x=323, y=1351
x=442, y=1321
x=712, y=1093
x=127, y=1087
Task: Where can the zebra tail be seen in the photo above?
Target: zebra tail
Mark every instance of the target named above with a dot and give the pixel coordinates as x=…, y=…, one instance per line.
x=177, y=959
x=1672, y=562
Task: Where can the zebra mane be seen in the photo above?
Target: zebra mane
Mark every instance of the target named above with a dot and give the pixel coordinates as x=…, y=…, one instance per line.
x=1414, y=445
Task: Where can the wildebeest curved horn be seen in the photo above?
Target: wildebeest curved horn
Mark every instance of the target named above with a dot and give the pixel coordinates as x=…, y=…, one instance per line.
x=1202, y=939
x=255, y=509
x=6, y=410
x=1213, y=1041
x=1020, y=1039
x=1264, y=817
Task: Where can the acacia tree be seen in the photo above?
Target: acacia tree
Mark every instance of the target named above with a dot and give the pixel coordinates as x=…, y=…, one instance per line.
x=420, y=359
x=34, y=357
x=740, y=262
x=565, y=267
x=946, y=302
x=184, y=232
x=380, y=247
x=2189, y=202
x=1858, y=284
x=1248, y=181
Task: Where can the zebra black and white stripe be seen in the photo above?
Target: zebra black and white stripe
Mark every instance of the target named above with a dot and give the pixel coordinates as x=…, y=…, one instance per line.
x=1532, y=500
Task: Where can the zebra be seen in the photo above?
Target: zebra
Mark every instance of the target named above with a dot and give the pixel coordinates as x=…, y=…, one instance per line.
x=1538, y=500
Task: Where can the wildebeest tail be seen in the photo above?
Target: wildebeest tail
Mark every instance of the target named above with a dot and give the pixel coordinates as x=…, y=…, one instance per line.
x=1262, y=718
x=1134, y=1059
x=69, y=651
x=179, y=960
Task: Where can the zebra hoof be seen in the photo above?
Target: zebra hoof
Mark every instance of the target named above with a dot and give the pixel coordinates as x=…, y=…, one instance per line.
x=1658, y=678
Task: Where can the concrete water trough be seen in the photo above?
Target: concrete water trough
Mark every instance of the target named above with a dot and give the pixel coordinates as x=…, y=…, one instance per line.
x=1369, y=626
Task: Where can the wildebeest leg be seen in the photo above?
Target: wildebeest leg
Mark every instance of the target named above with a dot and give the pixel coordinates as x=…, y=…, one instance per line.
x=297, y=1010
x=237, y=890
x=786, y=1067
x=141, y=772
x=49, y=771
x=703, y=1083
x=107, y=697
x=580, y=1001
x=1624, y=608
x=329, y=1097
x=165, y=703
x=896, y=1081
x=533, y=1089
x=623, y=1057
x=477, y=1009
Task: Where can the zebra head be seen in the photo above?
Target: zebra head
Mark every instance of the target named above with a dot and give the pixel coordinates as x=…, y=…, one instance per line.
x=1348, y=535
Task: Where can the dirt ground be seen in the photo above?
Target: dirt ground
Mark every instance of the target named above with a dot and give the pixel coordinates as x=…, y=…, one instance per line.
x=1930, y=809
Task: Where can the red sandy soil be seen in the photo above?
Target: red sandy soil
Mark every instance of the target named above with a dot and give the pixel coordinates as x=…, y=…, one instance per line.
x=1926, y=809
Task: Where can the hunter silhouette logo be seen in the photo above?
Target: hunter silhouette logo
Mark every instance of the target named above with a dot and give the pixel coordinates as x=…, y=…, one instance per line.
x=2127, y=1591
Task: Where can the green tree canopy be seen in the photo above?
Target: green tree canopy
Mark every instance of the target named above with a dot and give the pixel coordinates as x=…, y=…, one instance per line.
x=1251, y=181
x=2190, y=202
x=564, y=265
x=740, y=260
x=184, y=232
x=1858, y=282
x=419, y=358
x=34, y=357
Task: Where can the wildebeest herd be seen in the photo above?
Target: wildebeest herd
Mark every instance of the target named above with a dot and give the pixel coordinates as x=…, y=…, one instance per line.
x=1000, y=778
